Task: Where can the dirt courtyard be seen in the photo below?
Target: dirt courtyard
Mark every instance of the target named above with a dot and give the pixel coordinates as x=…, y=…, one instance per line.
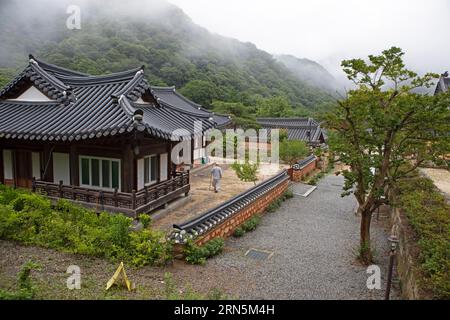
x=203, y=197
x=440, y=177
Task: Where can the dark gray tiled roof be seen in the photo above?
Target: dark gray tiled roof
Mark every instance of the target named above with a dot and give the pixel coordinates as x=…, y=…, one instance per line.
x=443, y=83
x=88, y=106
x=171, y=96
x=305, y=129
x=216, y=216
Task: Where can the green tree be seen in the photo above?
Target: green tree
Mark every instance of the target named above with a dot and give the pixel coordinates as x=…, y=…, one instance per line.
x=247, y=171
x=277, y=107
x=293, y=150
x=384, y=130
x=242, y=115
x=200, y=91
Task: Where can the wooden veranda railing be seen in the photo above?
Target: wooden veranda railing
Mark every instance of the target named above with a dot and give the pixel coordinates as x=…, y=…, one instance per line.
x=134, y=203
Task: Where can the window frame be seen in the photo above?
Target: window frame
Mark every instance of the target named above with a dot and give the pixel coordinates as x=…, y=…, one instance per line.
x=149, y=170
x=89, y=158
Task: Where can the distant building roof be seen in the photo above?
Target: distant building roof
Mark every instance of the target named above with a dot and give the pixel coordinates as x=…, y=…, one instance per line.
x=304, y=129
x=83, y=106
x=443, y=84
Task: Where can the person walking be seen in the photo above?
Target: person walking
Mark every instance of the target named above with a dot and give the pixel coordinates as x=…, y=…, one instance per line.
x=216, y=175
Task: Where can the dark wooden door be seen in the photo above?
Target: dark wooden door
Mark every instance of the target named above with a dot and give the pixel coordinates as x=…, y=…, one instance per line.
x=23, y=169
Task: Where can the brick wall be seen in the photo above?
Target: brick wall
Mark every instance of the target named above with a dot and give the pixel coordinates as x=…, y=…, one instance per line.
x=297, y=175
x=227, y=227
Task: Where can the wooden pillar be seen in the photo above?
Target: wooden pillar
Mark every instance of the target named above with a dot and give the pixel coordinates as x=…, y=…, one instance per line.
x=47, y=174
x=192, y=151
x=74, y=166
x=2, y=168
x=128, y=169
x=169, y=160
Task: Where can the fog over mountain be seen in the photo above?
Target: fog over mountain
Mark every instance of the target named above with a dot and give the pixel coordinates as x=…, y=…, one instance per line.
x=117, y=35
x=311, y=72
x=328, y=31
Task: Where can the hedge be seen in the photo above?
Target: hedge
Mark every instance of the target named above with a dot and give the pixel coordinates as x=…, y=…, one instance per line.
x=31, y=219
x=429, y=215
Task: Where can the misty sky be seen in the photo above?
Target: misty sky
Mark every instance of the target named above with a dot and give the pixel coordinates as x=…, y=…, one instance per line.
x=331, y=30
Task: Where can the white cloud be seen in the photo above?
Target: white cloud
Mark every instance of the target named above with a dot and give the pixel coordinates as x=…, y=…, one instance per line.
x=331, y=30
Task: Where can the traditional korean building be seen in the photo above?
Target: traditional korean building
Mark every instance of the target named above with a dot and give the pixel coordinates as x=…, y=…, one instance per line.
x=303, y=129
x=443, y=83
x=104, y=141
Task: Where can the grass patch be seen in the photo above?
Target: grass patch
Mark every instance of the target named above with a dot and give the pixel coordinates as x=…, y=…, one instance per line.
x=31, y=219
x=26, y=289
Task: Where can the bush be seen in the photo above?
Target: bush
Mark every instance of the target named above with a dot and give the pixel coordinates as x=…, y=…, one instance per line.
x=195, y=254
x=428, y=214
x=274, y=206
x=31, y=219
x=288, y=194
x=238, y=232
x=251, y=223
x=145, y=220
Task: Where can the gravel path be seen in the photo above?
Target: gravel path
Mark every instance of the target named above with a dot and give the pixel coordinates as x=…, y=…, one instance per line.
x=313, y=240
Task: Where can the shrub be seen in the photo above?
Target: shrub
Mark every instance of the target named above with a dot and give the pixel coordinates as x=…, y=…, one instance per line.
x=31, y=219
x=145, y=220
x=238, y=232
x=148, y=247
x=274, y=206
x=428, y=214
x=195, y=254
x=251, y=223
x=288, y=194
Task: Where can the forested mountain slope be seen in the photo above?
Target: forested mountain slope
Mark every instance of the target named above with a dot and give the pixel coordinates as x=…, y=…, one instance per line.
x=175, y=51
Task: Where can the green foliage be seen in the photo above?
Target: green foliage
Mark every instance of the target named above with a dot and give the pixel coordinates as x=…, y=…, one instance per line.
x=277, y=107
x=195, y=254
x=293, y=150
x=313, y=181
x=247, y=171
x=31, y=219
x=428, y=214
x=242, y=115
x=274, y=206
x=238, y=232
x=385, y=124
x=251, y=223
x=200, y=91
x=288, y=194
x=26, y=289
x=145, y=219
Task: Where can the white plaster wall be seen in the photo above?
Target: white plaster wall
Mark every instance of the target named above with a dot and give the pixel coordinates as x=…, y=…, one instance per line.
x=163, y=166
x=61, y=168
x=7, y=164
x=36, y=165
x=32, y=94
x=140, y=173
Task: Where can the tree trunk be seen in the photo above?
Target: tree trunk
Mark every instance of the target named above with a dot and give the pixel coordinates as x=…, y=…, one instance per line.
x=365, y=251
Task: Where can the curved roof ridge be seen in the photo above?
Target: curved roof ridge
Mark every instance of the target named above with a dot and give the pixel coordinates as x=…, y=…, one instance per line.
x=168, y=105
x=48, y=77
x=54, y=68
x=99, y=79
x=132, y=84
x=171, y=88
x=186, y=99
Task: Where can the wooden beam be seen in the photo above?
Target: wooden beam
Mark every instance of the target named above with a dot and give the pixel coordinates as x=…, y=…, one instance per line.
x=74, y=166
x=128, y=169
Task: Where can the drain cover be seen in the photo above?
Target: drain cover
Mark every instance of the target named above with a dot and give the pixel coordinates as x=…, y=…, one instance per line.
x=259, y=254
